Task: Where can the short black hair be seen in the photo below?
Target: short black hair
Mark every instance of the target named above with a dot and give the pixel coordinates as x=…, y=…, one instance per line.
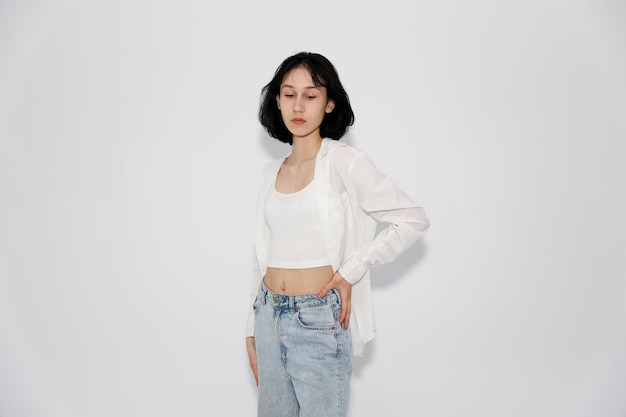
x=324, y=74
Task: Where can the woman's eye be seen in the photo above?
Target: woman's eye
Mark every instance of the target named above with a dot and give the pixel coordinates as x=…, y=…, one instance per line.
x=311, y=97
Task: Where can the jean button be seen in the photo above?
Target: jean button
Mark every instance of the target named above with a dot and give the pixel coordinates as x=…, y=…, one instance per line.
x=276, y=298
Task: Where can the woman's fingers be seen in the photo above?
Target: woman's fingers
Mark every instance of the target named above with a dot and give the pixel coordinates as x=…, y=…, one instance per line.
x=345, y=294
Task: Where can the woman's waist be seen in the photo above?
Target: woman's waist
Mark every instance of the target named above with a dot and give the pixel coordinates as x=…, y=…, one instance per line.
x=297, y=301
x=297, y=281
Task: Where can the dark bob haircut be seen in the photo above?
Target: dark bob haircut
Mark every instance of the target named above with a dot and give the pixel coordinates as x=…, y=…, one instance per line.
x=324, y=74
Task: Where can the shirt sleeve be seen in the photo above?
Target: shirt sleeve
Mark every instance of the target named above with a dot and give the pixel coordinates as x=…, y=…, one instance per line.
x=378, y=197
x=254, y=289
x=256, y=268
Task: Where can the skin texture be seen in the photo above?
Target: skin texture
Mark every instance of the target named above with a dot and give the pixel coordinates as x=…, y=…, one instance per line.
x=302, y=106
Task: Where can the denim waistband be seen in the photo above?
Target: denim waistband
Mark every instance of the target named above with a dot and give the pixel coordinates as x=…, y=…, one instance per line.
x=296, y=301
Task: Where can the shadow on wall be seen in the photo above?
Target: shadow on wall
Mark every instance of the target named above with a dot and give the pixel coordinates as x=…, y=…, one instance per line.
x=386, y=276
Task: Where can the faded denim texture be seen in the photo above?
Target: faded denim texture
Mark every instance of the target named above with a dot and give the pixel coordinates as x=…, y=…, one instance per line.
x=303, y=355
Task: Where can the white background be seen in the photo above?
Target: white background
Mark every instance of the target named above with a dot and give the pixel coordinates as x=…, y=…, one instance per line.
x=129, y=158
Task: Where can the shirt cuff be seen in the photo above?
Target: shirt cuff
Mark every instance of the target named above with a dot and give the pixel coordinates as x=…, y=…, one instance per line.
x=353, y=270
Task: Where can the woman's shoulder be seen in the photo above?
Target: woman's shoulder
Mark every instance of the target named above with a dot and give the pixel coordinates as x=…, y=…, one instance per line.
x=340, y=153
x=268, y=166
x=267, y=170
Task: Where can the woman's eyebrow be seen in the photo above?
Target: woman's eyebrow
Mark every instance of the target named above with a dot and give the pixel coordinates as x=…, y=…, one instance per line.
x=308, y=87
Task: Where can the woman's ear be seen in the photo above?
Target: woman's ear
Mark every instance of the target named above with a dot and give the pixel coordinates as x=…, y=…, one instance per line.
x=330, y=106
x=278, y=102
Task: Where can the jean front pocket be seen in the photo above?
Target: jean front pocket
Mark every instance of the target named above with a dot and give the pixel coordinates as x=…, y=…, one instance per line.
x=320, y=318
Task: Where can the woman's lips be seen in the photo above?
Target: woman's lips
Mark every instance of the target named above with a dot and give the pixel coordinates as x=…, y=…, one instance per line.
x=298, y=121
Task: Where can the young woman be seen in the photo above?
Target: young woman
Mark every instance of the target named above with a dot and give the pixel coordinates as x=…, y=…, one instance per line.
x=315, y=241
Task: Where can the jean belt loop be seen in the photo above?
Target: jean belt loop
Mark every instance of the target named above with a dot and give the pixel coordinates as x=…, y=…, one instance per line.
x=292, y=299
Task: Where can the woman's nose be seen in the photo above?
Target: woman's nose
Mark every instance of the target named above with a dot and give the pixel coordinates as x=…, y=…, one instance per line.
x=297, y=105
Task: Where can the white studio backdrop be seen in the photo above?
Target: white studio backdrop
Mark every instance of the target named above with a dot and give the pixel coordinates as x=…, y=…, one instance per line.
x=129, y=154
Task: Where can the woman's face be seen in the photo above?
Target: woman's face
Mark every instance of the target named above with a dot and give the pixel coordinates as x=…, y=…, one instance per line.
x=302, y=104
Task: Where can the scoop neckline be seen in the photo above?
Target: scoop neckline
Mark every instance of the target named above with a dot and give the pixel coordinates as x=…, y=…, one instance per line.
x=301, y=189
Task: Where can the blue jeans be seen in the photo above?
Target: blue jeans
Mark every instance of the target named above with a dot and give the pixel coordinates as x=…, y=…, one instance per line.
x=303, y=355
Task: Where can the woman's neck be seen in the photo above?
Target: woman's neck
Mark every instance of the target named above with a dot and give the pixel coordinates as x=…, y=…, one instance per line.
x=304, y=149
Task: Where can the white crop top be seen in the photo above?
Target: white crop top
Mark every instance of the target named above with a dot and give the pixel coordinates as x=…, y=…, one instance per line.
x=296, y=239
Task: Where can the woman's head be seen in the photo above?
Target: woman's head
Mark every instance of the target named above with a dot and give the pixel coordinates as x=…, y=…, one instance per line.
x=339, y=115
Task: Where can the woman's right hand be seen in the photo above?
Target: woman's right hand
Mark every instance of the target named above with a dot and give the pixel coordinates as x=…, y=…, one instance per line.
x=251, y=348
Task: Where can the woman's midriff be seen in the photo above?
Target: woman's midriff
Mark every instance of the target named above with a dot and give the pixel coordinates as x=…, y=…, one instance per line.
x=297, y=281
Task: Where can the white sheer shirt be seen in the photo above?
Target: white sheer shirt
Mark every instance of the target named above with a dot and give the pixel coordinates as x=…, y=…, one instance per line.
x=353, y=196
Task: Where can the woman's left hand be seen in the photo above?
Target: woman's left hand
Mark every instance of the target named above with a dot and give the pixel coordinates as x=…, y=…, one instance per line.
x=345, y=293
